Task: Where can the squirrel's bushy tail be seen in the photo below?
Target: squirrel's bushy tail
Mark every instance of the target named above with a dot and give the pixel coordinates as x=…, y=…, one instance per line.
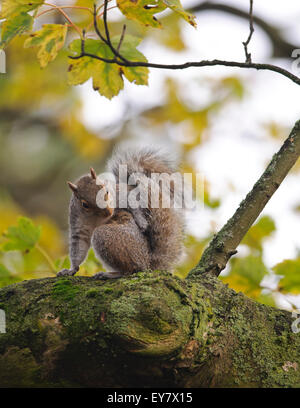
x=165, y=225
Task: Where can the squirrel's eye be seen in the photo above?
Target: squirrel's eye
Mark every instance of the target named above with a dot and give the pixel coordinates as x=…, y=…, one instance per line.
x=84, y=204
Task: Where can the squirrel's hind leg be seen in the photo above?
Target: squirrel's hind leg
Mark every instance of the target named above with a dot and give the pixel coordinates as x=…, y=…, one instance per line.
x=122, y=248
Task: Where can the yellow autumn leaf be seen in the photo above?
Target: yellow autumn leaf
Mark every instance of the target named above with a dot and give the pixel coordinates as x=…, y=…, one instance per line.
x=17, y=24
x=10, y=7
x=144, y=11
x=50, y=39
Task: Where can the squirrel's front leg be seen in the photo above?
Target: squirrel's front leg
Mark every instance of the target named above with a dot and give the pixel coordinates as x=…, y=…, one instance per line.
x=79, y=245
x=79, y=241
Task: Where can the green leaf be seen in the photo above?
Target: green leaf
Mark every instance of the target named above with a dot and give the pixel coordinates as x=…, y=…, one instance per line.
x=250, y=267
x=22, y=237
x=144, y=11
x=4, y=272
x=62, y=263
x=6, y=277
x=11, y=7
x=13, y=26
x=50, y=39
x=107, y=77
x=138, y=75
x=246, y=275
x=266, y=299
x=290, y=269
x=256, y=234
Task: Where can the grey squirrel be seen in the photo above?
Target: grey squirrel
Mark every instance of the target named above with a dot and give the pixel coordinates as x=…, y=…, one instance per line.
x=126, y=240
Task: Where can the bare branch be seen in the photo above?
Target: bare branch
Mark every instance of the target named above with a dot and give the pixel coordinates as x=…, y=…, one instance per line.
x=122, y=37
x=225, y=242
x=108, y=40
x=199, y=64
x=96, y=25
x=105, y=22
x=82, y=41
x=246, y=43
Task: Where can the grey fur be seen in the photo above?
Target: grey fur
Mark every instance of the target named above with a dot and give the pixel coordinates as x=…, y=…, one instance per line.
x=125, y=240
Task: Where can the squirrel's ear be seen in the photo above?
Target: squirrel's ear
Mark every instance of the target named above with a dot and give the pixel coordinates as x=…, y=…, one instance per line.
x=72, y=186
x=93, y=173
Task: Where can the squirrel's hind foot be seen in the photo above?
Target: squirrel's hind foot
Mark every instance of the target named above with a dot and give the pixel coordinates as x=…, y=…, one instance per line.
x=107, y=275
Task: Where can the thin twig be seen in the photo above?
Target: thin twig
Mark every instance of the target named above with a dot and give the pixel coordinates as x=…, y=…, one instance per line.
x=54, y=7
x=107, y=34
x=100, y=15
x=70, y=7
x=122, y=37
x=98, y=32
x=105, y=22
x=246, y=43
x=102, y=5
x=83, y=41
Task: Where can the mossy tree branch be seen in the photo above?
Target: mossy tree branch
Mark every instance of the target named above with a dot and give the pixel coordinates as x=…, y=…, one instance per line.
x=142, y=331
x=225, y=242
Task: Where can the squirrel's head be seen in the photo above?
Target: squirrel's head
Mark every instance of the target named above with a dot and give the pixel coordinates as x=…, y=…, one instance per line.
x=85, y=192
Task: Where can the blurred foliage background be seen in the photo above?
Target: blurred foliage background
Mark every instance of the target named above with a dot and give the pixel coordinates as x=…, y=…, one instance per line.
x=44, y=142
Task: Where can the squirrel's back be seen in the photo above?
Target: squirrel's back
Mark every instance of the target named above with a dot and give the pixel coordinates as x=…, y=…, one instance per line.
x=165, y=225
x=145, y=160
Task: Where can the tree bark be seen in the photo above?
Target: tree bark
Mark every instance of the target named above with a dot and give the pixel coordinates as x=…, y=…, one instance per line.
x=150, y=329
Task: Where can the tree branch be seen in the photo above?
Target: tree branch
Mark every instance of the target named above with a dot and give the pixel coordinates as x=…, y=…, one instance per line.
x=122, y=61
x=96, y=25
x=246, y=43
x=225, y=242
x=199, y=64
x=144, y=330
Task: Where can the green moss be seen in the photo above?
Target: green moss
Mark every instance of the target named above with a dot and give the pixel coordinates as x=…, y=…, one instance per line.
x=108, y=290
x=64, y=290
x=92, y=293
x=18, y=368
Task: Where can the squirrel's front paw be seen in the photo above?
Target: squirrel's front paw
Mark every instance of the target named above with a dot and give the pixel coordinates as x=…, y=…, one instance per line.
x=67, y=272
